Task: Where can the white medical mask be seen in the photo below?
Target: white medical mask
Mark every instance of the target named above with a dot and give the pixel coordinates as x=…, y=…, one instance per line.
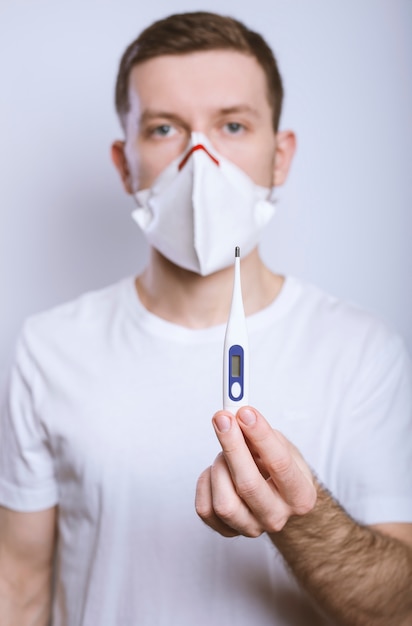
x=202, y=206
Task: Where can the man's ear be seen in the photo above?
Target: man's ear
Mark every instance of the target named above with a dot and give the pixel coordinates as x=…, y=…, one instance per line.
x=285, y=149
x=120, y=163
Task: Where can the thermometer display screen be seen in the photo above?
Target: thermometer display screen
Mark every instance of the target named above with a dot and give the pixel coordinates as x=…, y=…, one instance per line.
x=235, y=366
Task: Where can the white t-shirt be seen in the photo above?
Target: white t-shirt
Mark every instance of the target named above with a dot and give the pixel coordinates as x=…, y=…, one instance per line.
x=109, y=417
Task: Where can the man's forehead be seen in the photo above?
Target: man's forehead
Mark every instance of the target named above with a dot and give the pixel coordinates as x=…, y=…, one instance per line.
x=224, y=78
x=207, y=58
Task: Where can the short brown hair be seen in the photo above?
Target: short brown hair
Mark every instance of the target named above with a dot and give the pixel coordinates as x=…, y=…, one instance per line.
x=193, y=32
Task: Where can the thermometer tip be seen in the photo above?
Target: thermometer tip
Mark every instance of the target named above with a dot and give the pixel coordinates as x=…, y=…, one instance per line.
x=237, y=251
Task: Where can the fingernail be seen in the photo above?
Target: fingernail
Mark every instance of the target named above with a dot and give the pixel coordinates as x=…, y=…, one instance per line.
x=222, y=423
x=247, y=416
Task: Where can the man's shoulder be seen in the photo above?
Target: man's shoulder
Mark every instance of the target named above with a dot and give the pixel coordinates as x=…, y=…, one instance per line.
x=342, y=322
x=86, y=314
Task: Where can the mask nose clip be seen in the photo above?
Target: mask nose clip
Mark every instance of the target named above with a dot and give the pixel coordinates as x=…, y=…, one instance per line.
x=198, y=146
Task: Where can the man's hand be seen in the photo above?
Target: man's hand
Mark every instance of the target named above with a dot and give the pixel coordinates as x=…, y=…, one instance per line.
x=257, y=482
x=358, y=575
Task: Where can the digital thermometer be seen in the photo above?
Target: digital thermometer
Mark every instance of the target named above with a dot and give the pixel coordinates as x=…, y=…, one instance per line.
x=236, y=350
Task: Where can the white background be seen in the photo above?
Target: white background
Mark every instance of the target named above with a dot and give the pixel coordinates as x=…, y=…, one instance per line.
x=344, y=217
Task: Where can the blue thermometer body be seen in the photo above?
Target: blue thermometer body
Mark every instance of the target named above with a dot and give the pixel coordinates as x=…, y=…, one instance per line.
x=236, y=350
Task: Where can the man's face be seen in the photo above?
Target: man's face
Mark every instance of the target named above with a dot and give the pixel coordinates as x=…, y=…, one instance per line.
x=220, y=93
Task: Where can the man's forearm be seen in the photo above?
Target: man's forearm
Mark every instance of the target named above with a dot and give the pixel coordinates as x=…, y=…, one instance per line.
x=23, y=607
x=358, y=576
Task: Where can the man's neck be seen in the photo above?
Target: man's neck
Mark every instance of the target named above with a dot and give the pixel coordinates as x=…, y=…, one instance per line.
x=194, y=301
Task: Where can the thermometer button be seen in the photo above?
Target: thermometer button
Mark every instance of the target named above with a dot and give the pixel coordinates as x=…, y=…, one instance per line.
x=236, y=390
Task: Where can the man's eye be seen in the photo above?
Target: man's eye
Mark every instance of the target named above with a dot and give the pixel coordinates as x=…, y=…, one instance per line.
x=165, y=130
x=234, y=127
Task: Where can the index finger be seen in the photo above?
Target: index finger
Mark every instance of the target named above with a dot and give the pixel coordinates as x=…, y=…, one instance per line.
x=251, y=486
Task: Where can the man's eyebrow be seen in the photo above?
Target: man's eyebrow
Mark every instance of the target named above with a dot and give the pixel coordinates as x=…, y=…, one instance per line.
x=239, y=108
x=151, y=114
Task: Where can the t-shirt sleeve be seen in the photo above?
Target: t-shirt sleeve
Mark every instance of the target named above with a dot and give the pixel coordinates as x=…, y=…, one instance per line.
x=27, y=481
x=376, y=452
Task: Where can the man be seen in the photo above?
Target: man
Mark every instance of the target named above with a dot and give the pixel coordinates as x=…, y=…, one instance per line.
x=107, y=427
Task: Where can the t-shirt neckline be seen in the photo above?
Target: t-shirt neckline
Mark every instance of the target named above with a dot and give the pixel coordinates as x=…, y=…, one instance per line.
x=155, y=325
